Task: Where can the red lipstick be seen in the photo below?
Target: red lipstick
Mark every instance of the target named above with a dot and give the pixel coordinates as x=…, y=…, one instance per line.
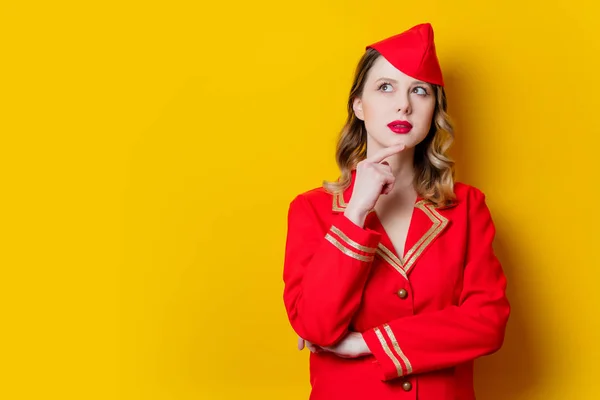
x=400, y=126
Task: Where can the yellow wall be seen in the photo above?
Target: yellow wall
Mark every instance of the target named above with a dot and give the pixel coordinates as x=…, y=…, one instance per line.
x=150, y=151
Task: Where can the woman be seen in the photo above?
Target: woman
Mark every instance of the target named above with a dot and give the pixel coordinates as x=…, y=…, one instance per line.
x=390, y=276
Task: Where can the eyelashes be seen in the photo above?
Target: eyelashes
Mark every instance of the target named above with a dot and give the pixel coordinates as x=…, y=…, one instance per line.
x=384, y=84
x=419, y=90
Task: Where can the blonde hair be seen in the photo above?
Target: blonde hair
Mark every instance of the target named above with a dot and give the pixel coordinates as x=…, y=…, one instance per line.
x=434, y=170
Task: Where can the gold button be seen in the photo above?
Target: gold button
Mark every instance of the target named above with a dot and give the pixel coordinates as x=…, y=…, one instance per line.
x=407, y=386
x=402, y=293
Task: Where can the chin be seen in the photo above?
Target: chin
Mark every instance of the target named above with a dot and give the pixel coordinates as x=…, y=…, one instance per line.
x=410, y=140
x=393, y=139
x=401, y=139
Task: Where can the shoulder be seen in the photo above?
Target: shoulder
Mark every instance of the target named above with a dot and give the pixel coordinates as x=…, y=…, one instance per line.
x=316, y=199
x=472, y=201
x=466, y=193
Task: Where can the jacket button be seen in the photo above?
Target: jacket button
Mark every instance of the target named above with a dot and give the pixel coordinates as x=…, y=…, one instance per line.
x=407, y=386
x=402, y=293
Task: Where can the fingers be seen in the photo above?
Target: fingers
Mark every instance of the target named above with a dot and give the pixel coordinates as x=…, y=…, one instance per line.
x=387, y=189
x=383, y=173
x=383, y=167
x=305, y=343
x=386, y=175
x=385, y=153
x=312, y=347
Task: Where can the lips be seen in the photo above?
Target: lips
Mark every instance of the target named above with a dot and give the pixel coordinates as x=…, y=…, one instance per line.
x=400, y=126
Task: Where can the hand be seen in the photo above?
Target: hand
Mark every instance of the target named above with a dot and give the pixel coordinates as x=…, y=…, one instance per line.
x=374, y=177
x=352, y=346
x=311, y=347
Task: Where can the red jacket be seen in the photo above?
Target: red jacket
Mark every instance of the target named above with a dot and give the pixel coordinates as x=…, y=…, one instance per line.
x=425, y=316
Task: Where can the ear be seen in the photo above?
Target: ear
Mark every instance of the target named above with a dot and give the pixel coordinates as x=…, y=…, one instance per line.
x=357, y=107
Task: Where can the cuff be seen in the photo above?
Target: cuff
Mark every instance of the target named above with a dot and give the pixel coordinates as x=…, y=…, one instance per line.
x=352, y=240
x=392, y=361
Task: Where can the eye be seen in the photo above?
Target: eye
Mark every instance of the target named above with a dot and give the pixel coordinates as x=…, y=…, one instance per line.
x=420, y=90
x=386, y=85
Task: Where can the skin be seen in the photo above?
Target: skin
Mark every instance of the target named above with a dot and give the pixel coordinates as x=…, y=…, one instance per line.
x=388, y=95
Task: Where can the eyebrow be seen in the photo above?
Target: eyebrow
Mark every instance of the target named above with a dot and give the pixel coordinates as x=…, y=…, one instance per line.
x=395, y=81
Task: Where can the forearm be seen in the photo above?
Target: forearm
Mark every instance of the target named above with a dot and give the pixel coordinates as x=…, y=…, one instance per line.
x=325, y=275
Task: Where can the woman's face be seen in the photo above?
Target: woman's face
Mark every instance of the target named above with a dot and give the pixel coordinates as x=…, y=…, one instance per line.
x=396, y=108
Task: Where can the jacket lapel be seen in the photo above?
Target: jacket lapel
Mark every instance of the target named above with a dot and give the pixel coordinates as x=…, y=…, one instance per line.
x=426, y=224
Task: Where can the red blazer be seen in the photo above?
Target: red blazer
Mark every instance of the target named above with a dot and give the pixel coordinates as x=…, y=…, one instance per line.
x=425, y=316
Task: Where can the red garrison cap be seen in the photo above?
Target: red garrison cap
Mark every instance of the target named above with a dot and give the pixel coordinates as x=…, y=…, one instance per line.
x=413, y=52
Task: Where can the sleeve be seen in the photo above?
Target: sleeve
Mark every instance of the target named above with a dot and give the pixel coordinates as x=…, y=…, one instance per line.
x=324, y=273
x=473, y=328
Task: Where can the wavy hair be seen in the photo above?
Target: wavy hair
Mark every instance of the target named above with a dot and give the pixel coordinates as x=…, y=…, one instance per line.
x=434, y=170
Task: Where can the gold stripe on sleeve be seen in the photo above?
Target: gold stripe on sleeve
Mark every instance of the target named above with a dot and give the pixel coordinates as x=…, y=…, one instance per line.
x=388, y=351
x=346, y=250
x=398, y=349
x=351, y=242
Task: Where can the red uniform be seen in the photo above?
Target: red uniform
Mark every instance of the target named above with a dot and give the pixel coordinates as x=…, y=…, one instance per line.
x=425, y=316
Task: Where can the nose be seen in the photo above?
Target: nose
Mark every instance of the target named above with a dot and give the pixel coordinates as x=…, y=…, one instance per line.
x=403, y=103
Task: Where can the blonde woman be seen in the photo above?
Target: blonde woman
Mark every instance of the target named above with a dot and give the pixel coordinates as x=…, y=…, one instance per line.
x=390, y=276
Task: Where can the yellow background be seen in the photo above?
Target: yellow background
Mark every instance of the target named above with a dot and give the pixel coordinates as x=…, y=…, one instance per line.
x=150, y=150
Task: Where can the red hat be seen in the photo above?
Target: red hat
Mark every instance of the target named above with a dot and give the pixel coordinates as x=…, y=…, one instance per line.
x=413, y=52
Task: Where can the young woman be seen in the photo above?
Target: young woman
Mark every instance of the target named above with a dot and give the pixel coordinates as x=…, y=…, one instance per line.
x=390, y=276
